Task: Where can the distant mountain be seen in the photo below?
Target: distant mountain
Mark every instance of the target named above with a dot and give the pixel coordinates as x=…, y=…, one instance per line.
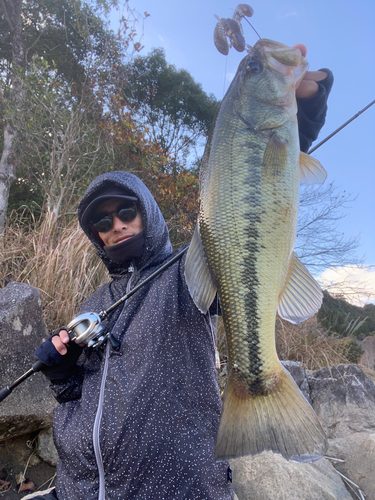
x=337, y=315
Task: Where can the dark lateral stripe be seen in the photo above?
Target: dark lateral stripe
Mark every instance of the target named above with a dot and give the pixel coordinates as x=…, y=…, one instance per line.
x=255, y=381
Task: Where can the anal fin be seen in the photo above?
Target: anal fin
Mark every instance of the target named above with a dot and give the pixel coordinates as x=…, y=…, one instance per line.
x=197, y=274
x=301, y=297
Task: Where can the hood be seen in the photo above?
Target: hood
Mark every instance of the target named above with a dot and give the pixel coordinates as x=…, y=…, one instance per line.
x=157, y=243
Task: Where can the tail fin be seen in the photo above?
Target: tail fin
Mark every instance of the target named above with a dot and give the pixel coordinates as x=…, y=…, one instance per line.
x=281, y=421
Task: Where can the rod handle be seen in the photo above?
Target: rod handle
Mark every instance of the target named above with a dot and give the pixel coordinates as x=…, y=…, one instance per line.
x=38, y=365
x=4, y=392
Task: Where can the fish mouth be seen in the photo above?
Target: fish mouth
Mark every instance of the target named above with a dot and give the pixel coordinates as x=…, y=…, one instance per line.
x=283, y=59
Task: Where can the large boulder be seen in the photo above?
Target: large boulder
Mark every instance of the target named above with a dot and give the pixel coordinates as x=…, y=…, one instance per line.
x=360, y=465
x=344, y=400
x=343, y=397
x=29, y=407
x=270, y=477
x=368, y=358
x=299, y=376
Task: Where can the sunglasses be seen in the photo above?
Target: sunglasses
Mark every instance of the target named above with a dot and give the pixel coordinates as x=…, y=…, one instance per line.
x=104, y=222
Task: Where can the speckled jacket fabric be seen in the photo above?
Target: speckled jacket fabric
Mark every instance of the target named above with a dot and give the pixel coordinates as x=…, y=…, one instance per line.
x=160, y=404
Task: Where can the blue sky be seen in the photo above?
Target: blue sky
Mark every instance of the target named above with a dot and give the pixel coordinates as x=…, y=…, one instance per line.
x=339, y=35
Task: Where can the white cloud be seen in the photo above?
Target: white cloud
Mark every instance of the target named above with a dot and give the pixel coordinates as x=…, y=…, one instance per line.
x=293, y=13
x=355, y=284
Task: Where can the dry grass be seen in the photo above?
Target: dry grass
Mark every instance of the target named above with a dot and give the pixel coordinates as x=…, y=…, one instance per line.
x=368, y=372
x=59, y=260
x=309, y=344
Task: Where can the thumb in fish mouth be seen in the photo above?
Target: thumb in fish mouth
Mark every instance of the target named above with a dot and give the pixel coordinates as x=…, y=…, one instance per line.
x=302, y=48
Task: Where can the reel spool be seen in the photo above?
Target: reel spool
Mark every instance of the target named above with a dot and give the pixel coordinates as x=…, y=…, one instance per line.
x=87, y=329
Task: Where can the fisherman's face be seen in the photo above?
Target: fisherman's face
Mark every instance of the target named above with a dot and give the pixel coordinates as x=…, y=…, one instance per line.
x=120, y=231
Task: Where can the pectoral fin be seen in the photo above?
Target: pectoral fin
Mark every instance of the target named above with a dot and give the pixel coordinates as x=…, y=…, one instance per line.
x=301, y=297
x=198, y=277
x=311, y=171
x=275, y=155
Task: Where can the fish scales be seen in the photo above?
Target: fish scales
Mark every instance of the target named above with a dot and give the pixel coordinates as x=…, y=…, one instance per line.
x=243, y=247
x=238, y=221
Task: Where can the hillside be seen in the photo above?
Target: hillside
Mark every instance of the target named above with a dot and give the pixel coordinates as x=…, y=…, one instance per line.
x=337, y=315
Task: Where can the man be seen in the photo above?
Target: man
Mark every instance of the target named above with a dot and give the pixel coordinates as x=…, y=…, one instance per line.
x=139, y=415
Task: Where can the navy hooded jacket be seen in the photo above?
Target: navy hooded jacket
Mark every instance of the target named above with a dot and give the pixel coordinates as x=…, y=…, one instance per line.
x=141, y=422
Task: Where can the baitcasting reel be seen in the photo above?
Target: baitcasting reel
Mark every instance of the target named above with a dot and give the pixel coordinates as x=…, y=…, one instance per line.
x=87, y=329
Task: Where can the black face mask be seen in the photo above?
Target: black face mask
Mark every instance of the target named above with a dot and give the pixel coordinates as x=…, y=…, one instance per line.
x=126, y=250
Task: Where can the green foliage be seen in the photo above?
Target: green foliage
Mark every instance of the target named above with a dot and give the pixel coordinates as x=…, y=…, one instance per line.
x=57, y=143
x=71, y=76
x=354, y=351
x=77, y=124
x=68, y=34
x=337, y=315
x=175, y=108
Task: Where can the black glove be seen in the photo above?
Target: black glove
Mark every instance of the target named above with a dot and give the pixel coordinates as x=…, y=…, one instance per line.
x=57, y=367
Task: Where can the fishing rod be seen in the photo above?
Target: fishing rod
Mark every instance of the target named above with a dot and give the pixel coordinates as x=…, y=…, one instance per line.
x=87, y=328
x=340, y=128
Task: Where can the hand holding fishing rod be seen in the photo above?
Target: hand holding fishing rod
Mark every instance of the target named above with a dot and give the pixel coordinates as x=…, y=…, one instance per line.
x=58, y=355
x=52, y=360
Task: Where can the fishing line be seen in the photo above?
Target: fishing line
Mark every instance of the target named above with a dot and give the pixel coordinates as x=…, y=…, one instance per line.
x=252, y=27
x=225, y=74
x=340, y=128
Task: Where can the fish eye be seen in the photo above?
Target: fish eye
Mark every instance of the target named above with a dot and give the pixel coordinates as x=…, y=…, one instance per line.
x=254, y=67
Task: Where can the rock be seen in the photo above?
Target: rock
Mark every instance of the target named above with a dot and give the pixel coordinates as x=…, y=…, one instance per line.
x=343, y=397
x=368, y=358
x=46, y=447
x=360, y=466
x=29, y=407
x=269, y=476
x=299, y=376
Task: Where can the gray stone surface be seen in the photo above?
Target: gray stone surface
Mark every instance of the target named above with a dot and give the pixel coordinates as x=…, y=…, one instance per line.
x=46, y=447
x=299, y=376
x=270, y=477
x=344, y=399
x=22, y=329
x=368, y=358
x=360, y=466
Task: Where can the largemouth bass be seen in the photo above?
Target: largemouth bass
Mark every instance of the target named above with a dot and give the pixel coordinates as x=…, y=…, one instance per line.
x=242, y=248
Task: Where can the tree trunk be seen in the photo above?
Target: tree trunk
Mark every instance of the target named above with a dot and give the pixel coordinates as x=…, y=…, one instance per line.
x=11, y=11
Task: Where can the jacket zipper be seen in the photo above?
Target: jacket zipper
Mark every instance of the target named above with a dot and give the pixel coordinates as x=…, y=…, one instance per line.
x=99, y=411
